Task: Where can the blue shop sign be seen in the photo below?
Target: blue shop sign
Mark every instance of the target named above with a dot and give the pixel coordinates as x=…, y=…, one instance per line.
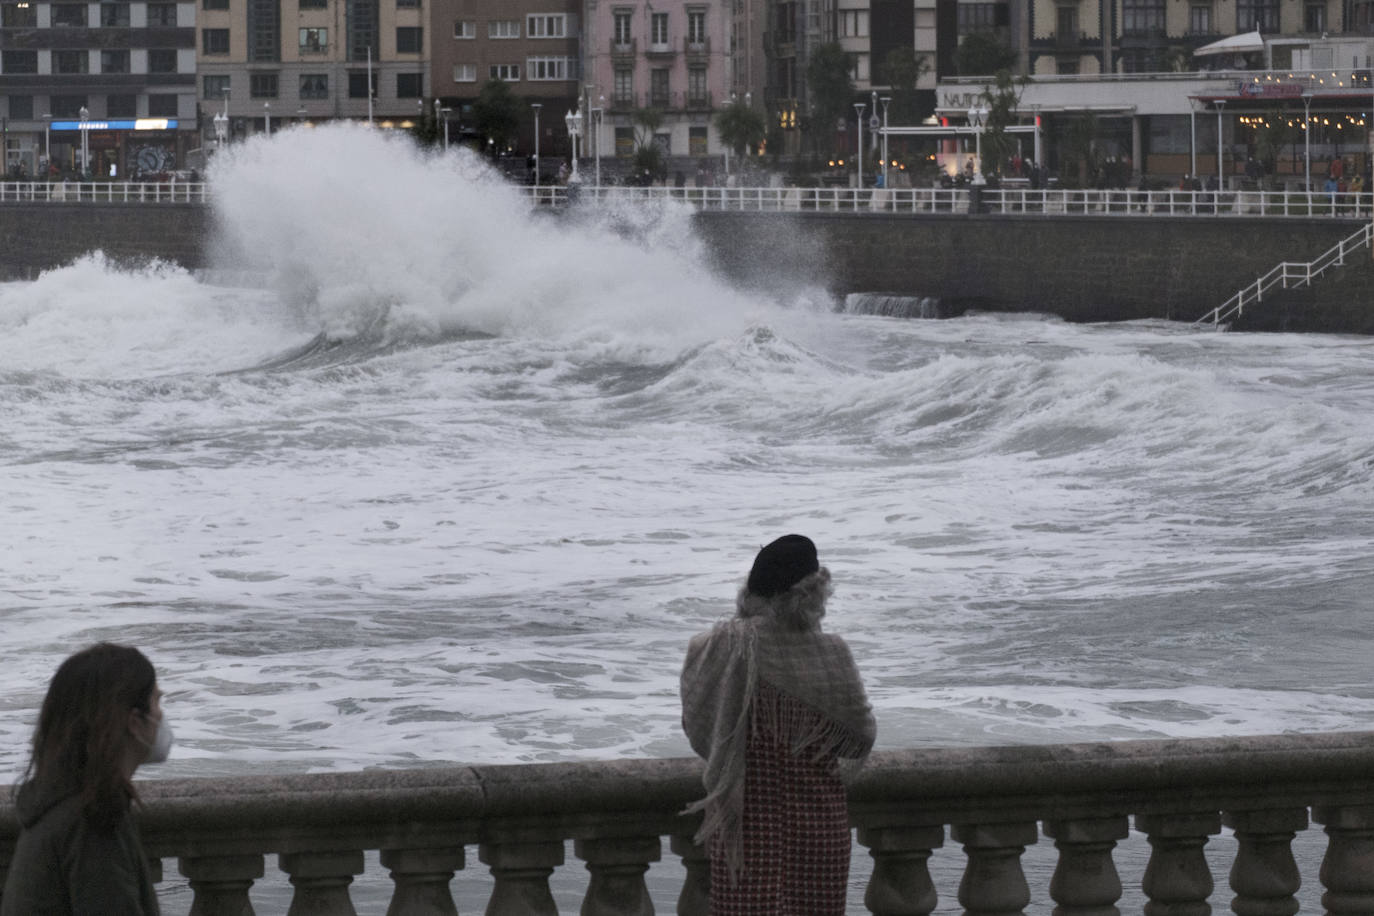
x=128, y=124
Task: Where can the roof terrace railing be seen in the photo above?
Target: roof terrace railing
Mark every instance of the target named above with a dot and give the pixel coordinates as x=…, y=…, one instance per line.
x=993, y=802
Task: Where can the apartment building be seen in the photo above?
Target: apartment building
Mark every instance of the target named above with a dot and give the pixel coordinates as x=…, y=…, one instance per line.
x=532, y=45
x=275, y=62
x=104, y=87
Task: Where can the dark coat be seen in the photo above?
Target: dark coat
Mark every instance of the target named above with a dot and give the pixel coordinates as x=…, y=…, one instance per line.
x=65, y=866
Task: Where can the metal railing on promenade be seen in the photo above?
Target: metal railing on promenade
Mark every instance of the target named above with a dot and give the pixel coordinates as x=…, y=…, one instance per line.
x=1289, y=275
x=993, y=802
x=1018, y=201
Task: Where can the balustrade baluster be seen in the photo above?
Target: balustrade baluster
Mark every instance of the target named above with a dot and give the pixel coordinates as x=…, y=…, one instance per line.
x=1086, y=882
x=1265, y=875
x=695, y=899
x=618, y=865
x=422, y=877
x=901, y=884
x=1177, y=879
x=221, y=883
x=321, y=881
x=1347, y=870
x=994, y=883
x=522, y=874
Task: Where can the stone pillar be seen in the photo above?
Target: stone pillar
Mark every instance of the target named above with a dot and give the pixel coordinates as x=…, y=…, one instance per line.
x=1265, y=875
x=321, y=881
x=900, y=884
x=994, y=883
x=422, y=877
x=522, y=874
x=1347, y=870
x=221, y=883
x=695, y=899
x=618, y=865
x=1177, y=879
x=1085, y=881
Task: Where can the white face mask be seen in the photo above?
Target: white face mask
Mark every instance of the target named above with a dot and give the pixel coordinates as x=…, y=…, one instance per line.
x=162, y=743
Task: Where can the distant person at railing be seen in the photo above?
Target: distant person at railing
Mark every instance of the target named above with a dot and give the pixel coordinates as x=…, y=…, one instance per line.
x=79, y=853
x=773, y=705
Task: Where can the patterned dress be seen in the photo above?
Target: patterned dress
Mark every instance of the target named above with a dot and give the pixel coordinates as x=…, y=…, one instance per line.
x=796, y=823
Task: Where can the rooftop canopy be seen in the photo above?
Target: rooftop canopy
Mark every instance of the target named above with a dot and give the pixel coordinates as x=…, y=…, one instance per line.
x=1233, y=44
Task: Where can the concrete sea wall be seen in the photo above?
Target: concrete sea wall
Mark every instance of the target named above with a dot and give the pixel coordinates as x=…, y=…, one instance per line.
x=1081, y=267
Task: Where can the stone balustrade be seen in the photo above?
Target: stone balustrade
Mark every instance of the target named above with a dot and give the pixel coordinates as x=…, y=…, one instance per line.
x=994, y=802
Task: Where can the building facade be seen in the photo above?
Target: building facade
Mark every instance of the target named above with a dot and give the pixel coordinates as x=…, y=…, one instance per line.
x=99, y=88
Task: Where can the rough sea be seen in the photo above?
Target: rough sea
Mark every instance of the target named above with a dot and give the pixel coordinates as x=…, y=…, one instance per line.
x=413, y=477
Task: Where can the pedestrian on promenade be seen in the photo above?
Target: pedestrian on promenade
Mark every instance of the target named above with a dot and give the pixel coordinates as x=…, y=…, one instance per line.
x=774, y=705
x=79, y=852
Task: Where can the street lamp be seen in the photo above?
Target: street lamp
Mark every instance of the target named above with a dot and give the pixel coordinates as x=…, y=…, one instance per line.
x=1221, y=169
x=1307, y=139
x=85, y=144
x=977, y=119
x=595, y=127
x=221, y=129
x=267, y=117
x=859, y=118
x=885, y=100
x=573, y=120
x=536, y=106
x=445, y=113
x=47, y=150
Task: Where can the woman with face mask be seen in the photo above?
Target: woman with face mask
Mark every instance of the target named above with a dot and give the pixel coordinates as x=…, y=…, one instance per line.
x=79, y=852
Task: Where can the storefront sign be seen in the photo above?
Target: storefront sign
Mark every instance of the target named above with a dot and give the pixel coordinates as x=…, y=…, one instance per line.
x=130, y=124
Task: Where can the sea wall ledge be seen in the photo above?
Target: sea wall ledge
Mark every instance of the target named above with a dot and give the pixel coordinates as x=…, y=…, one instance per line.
x=994, y=802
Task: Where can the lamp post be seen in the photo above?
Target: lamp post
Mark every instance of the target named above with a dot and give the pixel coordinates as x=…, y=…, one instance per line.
x=595, y=129
x=977, y=118
x=885, y=100
x=47, y=148
x=221, y=129
x=536, y=106
x=1307, y=140
x=859, y=118
x=267, y=117
x=85, y=144
x=573, y=120
x=1221, y=168
x=1192, y=135
x=445, y=113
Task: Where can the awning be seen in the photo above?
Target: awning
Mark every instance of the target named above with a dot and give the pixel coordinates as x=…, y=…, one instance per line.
x=1234, y=44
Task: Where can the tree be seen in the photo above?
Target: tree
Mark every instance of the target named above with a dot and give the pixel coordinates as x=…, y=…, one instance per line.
x=832, y=90
x=648, y=157
x=496, y=113
x=981, y=54
x=1001, y=100
x=902, y=69
x=740, y=127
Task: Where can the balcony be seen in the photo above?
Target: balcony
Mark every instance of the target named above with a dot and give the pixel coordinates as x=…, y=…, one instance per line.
x=697, y=51
x=622, y=50
x=991, y=804
x=661, y=50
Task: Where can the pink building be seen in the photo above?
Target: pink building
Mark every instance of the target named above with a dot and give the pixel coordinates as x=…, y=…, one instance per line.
x=668, y=55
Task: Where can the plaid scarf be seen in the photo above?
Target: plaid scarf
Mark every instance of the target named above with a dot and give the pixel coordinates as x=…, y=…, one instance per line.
x=816, y=703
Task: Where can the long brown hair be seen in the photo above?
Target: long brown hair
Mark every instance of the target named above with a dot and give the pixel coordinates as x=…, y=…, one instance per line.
x=82, y=732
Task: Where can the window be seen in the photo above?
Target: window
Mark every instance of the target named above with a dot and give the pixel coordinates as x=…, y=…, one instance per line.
x=1257, y=14
x=658, y=87
x=853, y=23
x=162, y=15
x=67, y=106
x=162, y=105
x=551, y=68
x=858, y=67
x=121, y=106
x=1200, y=20
x=360, y=39
x=465, y=73
x=696, y=87
x=410, y=85
x=162, y=60
x=465, y=28
x=70, y=62
x=546, y=26
x=410, y=39
x=623, y=35
x=314, y=86
x=214, y=4
x=114, y=15
x=1066, y=22
x=314, y=41
x=19, y=61
x=407, y=4
x=1314, y=17
x=264, y=30
x=696, y=27
x=15, y=16
x=214, y=41
x=624, y=86
x=68, y=15
x=659, y=24
x=696, y=141
x=785, y=19
x=508, y=72
x=21, y=107
x=1066, y=67
x=624, y=142
x=262, y=85
x=214, y=87
x=358, y=84
x=503, y=28
x=312, y=4
x=977, y=17
x=1142, y=17
x=116, y=61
